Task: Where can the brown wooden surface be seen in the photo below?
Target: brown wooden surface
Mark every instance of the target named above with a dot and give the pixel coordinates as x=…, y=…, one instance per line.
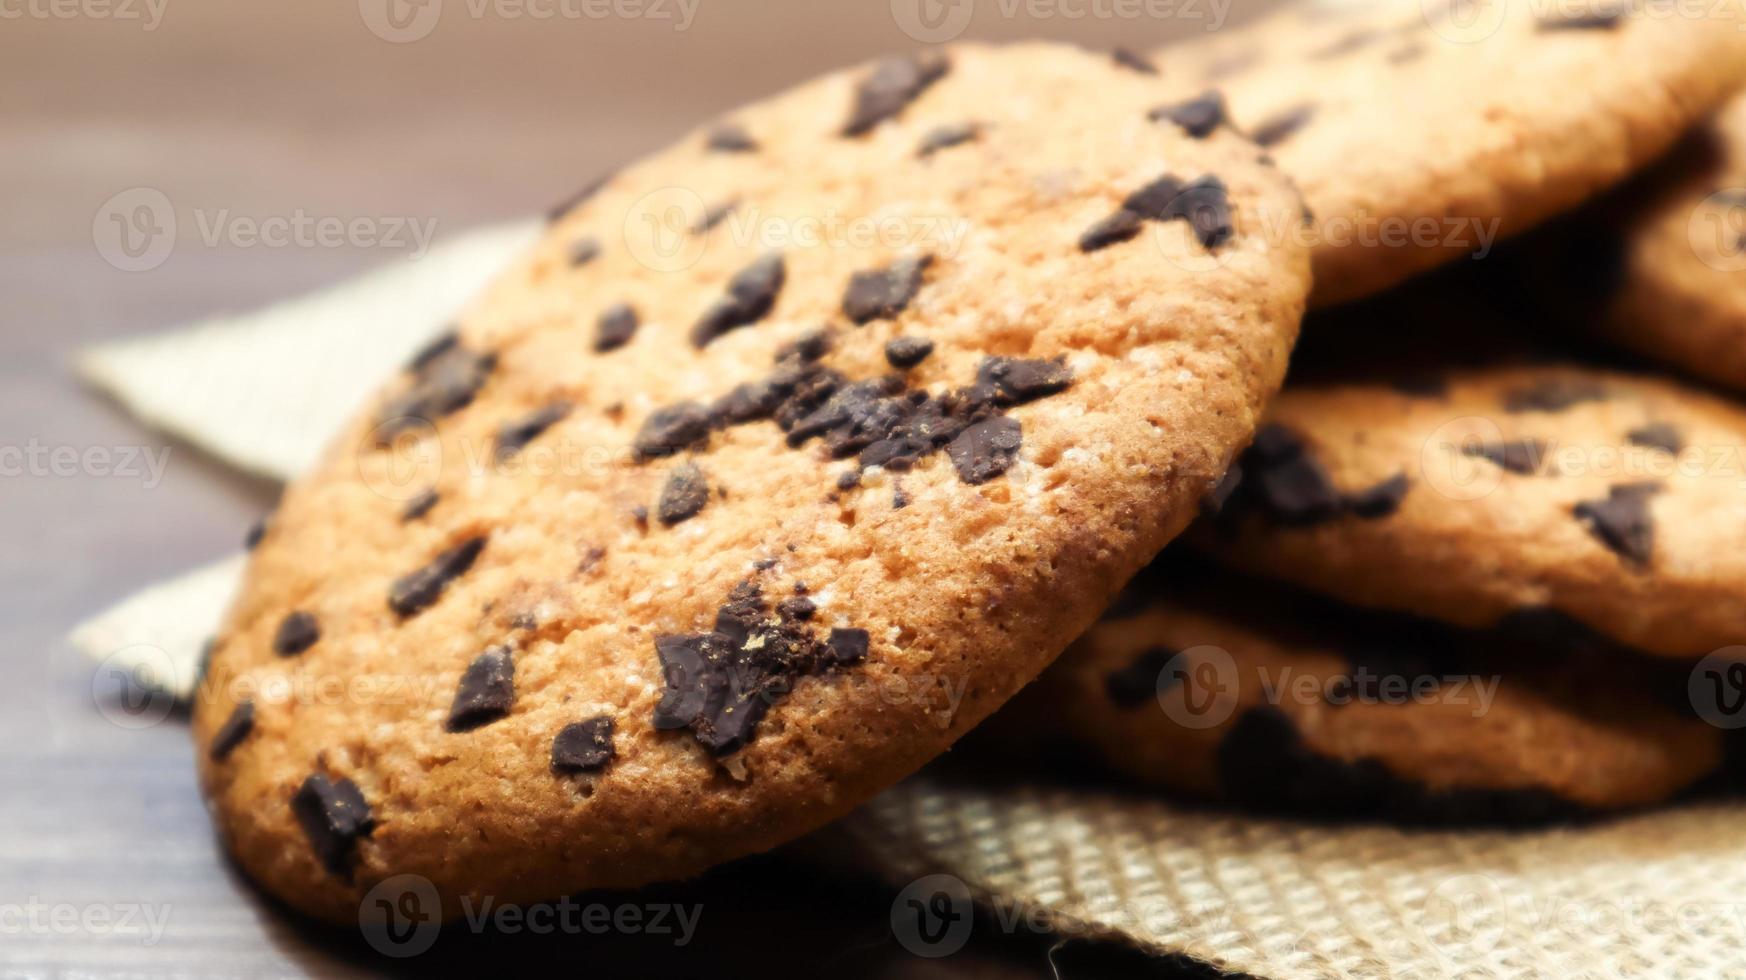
x=266, y=109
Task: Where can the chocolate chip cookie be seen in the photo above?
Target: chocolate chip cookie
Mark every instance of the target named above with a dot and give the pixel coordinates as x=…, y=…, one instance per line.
x=786, y=457
x=1679, y=287
x=1423, y=132
x=1584, y=507
x=1234, y=690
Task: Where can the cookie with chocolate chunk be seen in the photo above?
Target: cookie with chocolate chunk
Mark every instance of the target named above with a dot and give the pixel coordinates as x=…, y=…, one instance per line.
x=1588, y=508
x=828, y=447
x=1676, y=289
x=1238, y=691
x=1421, y=132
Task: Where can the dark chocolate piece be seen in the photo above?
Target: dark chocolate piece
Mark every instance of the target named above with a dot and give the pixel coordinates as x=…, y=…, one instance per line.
x=684, y=496
x=334, y=816
x=486, y=692
x=297, y=632
x=416, y=591
x=750, y=296
x=882, y=294
x=231, y=734
x=892, y=86
x=585, y=746
x=1198, y=117
x=1622, y=522
x=617, y=326
x=514, y=437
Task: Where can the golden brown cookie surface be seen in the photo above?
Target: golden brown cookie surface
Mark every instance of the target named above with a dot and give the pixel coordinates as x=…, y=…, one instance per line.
x=1251, y=694
x=1581, y=506
x=1680, y=296
x=1422, y=132
x=785, y=458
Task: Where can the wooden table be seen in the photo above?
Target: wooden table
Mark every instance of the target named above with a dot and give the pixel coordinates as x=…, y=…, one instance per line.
x=257, y=110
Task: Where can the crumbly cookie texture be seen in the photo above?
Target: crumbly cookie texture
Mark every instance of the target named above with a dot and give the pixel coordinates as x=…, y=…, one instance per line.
x=1421, y=132
x=784, y=459
x=1249, y=694
x=1586, y=508
x=1680, y=292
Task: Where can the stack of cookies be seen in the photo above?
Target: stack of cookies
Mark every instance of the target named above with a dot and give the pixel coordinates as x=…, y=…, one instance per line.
x=794, y=452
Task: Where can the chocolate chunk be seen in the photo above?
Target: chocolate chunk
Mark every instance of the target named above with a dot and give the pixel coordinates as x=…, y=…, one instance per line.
x=334, y=816
x=576, y=200
x=445, y=379
x=1659, y=435
x=252, y=537
x=515, y=436
x=1019, y=380
x=732, y=138
x=583, y=251
x=672, y=429
x=420, y=505
x=907, y=352
x=1524, y=456
x=1203, y=203
x=1622, y=522
x=986, y=450
x=486, y=692
x=298, y=631
x=1117, y=228
x=1601, y=18
x=849, y=479
x=845, y=647
x=1380, y=500
x=945, y=137
x=1553, y=395
x=892, y=86
x=1292, y=485
x=720, y=684
x=1198, y=117
x=585, y=746
x=1282, y=126
x=884, y=293
x=808, y=347
x=415, y=592
x=750, y=296
x=616, y=328
x=231, y=734
x=713, y=217
x=1130, y=59
x=796, y=607
x=438, y=347
x=1138, y=682
x=684, y=495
